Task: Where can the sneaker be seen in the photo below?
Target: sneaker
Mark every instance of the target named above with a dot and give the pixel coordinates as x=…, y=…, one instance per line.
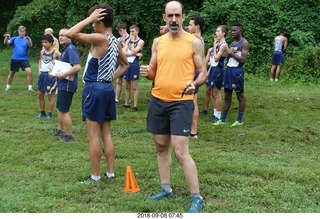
x=40, y=115
x=161, y=195
x=125, y=106
x=237, y=123
x=7, y=89
x=276, y=79
x=271, y=79
x=48, y=116
x=203, y=112
x=197, y=204
x=213, y=119
x=135, y=109
x=58, y=132
x=219, y=122
x=117, y=101
x=110, y=176
x=66, y=138
x=89, y=181
x=194, y=136
x=30, y=89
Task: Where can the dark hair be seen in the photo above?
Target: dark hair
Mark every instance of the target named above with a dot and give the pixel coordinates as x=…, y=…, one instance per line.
x=108, y=18
x=238, y=24
x=283, y=30
x=198, y=21
x=122, y=25
x=165, y=5
x=48, y=38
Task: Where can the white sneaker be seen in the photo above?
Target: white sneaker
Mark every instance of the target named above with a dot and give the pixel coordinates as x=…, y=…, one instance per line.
x=271, y=79
x=30, y=89
x=7, y=89
x=276, y=79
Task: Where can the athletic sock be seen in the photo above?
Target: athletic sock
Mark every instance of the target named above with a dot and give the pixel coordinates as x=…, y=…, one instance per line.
x=95, y=178
x=166, y=187
x=240, y=115
x=224, y=115
x=195, y=195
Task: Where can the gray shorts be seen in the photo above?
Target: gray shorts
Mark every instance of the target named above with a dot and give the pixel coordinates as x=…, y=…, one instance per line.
x=174, y=118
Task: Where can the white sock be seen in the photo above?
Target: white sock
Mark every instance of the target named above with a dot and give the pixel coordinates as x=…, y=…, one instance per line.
x=95, y=178
x=8, y=86
x=218, y=114
x=29, y=87
x=110, y=175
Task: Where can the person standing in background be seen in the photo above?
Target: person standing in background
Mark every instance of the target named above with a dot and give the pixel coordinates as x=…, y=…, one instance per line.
x=124, y=37
x=67, y=84
x=19, y=59
x=45, y=81
x=233, y=79
x=55, y=40
x=280, y=46
x=133, y=51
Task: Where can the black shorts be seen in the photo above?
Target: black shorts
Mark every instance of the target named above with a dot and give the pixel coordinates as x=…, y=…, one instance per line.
x=16, y=64
x=64, y=100
x=174, y=118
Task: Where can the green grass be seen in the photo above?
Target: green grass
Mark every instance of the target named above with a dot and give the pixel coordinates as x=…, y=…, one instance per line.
x=271, y=164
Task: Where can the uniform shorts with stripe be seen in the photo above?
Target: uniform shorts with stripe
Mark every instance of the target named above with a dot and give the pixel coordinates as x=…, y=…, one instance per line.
x=133, y=72
x=16, y=64
x=173, y=118
x=233, y=79
x=64, y=101
x=215, y=78
x=45, y=82
x=98, y=103
x=277, y=58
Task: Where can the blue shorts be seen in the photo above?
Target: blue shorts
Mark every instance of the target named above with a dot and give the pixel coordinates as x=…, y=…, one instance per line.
x=64, y=100
x=16, y=64
x=133, y=72
x=174, y=118
x=277, y=58
x=233, y=79
x=215, y=77
x=98, y=103
x=45, y=82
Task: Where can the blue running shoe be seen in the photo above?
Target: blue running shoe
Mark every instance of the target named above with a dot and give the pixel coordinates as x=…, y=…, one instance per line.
x=161, y=195
x=40, y=115
x=89, y=181
x=197, y=204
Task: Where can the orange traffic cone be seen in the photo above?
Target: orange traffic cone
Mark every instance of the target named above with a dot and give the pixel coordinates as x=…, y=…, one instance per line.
x=130, y=183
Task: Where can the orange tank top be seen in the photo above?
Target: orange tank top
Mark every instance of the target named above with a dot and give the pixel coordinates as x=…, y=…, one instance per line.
x=175, y=67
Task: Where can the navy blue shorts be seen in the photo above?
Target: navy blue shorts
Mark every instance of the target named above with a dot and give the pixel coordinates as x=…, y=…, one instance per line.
x=98, y=103
x=132, y=73
x=277, y=58
x=233, y=79
x=215, y=77
x=64, y=100
x=174, y=118
x=16, y=64
x=45, y=82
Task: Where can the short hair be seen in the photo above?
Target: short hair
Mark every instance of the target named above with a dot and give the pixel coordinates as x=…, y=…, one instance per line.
x=165, y=5
x=48, y=30
x=48, y=38
x=122, y=25
x=21, y=28
x=134, y=27
x=198, y=21
x=283, y=30
x=108, y=18
x=238, y=24
x=224, y=29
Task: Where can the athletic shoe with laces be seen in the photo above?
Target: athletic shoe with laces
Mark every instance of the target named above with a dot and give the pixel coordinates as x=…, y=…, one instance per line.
x=197, y=204
x=58, y=132
x=213, y=119
x=161, y=195
x=89, y=181
x=48, y=116
x=7, y=89
x=194, y=136
x=30, y=89
x=110, y=177
x=203, y=112
x=219, y=122
x=237, y=123
x=66, y=138
x=40, y=115
x=135, y=109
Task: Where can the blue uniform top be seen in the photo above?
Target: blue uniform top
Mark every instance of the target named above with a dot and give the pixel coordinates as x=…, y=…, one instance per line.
x=135, y=44
x=70, y=55
x=102, y=69
x=221, y=62
x=236, y=48
x=20, y=48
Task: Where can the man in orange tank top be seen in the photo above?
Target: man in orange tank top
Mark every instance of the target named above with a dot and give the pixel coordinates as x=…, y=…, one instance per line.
x=175, y=56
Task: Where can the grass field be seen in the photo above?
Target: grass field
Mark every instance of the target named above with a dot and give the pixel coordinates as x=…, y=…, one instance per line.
x=269, y=165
